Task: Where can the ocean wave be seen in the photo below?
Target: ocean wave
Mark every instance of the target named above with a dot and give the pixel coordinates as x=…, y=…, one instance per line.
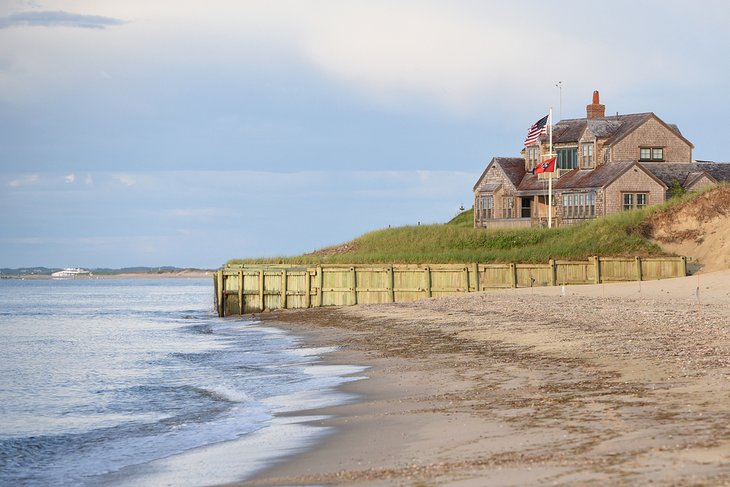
x=224, y=393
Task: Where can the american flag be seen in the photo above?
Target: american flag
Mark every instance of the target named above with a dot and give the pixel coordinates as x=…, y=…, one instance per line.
x=538, y=128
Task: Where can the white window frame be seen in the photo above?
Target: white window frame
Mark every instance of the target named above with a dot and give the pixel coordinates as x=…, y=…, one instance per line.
x=508, y=205
x=489, y=210
x=631, y=201
x=579, y=205
x=651, y=154
x=533, y=154
x=587, y=151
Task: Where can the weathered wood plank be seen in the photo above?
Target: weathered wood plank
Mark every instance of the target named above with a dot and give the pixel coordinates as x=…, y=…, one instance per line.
x=253, y=288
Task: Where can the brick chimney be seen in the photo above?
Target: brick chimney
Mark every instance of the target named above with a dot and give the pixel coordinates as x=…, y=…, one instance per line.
x=595, y=109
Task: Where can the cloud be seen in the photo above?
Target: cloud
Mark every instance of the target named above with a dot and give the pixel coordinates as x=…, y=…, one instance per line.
x=125, y=179
x=26, y=180
x=70, y=178
x=464, y=56
x=58, y=19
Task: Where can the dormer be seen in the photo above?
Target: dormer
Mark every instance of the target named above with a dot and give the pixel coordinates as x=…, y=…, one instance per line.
x=533, y=155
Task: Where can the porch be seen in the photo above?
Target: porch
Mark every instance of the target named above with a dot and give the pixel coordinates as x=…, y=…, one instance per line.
x=528, y=210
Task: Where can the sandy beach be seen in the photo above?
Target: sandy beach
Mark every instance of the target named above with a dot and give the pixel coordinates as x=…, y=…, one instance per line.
x=615, y=384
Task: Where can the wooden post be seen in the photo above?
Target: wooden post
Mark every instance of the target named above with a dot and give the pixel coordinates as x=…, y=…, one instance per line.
x=475, y=276
x=683, y=270
x=465, y=279
x=222, y=292
x=513, y=274
x=240, y=292
x=215, y=293
x=219, y=293
x=596, y=269
x=283, y=289
x=553, y=271
x=261, y=289
x=307, y=288
x=320, y=283
x=353, y=283
x=427, y=277
x=391, y=285
x=638, y=268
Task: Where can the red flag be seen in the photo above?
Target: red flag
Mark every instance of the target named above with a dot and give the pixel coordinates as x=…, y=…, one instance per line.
x=548, y=165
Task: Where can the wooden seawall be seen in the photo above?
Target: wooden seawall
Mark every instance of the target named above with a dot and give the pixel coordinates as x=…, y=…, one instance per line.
x=251, y=288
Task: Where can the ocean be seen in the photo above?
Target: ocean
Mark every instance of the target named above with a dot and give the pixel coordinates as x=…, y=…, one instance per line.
x=137, y=382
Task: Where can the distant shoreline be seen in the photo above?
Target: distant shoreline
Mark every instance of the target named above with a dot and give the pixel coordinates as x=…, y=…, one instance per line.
x=122, y=275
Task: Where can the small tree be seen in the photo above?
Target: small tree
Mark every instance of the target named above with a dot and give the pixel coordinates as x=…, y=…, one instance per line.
x=675, y=189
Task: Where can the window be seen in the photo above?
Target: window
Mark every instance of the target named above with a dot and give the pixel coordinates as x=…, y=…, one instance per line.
x=628, y=201
x=508, y=204
x=588, y=155
x=485, y=207
x=526, y=208
x=579, y=205
x=635, y=200
x=591, y=204
x=567, y=158
x=651, y=154
x=532, y=157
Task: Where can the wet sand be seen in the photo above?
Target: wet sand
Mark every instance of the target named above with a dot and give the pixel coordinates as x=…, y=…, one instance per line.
x=616, y=384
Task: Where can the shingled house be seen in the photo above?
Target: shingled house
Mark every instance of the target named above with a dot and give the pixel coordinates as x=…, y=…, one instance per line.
x=604, y=165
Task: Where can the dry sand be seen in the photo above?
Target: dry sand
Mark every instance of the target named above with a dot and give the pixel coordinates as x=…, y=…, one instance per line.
x=616, y=384
x=699, y=230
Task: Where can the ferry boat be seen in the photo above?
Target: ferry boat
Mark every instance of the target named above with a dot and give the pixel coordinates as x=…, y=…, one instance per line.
x=71, y=273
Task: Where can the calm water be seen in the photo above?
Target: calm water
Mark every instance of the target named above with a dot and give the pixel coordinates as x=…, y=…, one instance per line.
x=137, y=382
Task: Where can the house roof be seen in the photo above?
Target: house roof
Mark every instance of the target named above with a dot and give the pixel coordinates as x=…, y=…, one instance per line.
x=693, y=177
x=718, y=170
x=600, y=177
x=513, y=167
x=567, y=131
x=613, y=128
x=686, y=174
x=490, y=187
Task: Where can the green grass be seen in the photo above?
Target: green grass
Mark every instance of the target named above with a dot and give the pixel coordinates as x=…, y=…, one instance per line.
x=621, y=234
x=463, y=219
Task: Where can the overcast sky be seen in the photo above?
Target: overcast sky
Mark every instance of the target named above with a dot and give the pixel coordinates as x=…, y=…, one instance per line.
x=186, y=133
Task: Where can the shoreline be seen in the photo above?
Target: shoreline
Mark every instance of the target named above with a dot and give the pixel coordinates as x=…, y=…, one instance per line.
x=619, y=383
x=125, y=275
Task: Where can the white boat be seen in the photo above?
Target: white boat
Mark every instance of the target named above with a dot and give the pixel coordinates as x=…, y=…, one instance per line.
x=71, y=273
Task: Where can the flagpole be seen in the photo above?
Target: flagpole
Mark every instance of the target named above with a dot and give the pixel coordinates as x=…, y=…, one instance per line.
x=550, y=176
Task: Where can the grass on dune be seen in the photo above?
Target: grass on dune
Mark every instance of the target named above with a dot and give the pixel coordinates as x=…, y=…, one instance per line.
x=457, y=242
x=463, y=219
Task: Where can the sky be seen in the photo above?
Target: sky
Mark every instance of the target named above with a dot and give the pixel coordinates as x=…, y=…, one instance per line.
x=187, y=133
